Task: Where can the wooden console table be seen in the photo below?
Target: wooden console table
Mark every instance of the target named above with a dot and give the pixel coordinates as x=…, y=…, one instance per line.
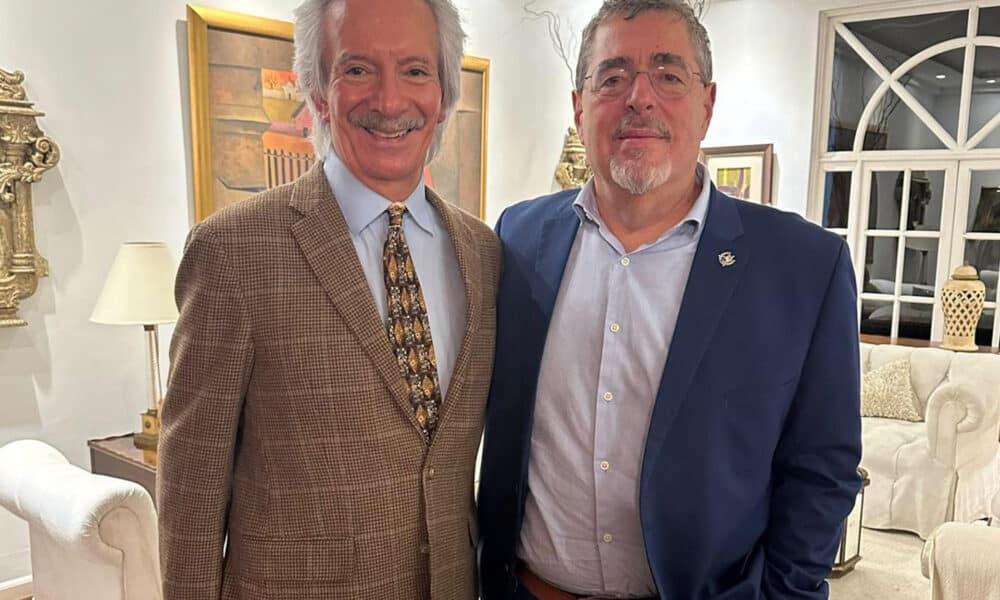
x=117, y=457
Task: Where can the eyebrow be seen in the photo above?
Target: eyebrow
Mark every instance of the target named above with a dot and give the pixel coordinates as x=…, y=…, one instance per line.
x=416, y=59
x=618, y=62
x=668, y=58
x=345, y=58
x=659, y=60
x=362, y=58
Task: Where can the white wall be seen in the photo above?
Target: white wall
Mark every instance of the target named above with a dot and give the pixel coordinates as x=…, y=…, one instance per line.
x=765, y=65
x=111, y=76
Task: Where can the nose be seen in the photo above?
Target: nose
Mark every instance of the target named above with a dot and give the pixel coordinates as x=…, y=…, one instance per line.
x=388, y=95
x=641, y=96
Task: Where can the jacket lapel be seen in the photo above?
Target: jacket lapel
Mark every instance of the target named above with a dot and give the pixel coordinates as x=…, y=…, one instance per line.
x=467, y=256
x=554, y=245
x=325, y=241
x=710, y=287
x=552, y=253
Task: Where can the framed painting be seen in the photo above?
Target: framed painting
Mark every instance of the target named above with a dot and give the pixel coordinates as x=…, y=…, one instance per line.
x=250, y=124
x=458, y=172
x=742, y=172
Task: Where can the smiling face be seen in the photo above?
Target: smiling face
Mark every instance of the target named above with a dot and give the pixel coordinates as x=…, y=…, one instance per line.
x=642, y=139
x=383, y=99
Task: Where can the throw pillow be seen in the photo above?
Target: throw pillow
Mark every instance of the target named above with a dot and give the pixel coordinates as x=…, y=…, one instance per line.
x=886, y=392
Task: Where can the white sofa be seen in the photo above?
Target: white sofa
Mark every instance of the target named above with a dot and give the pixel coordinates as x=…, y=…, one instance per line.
x=946, y=468
x=962, y=560
x=92, y=537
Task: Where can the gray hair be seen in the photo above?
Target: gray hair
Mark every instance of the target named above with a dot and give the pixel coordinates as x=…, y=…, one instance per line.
x=631, y=9
x=313, y=78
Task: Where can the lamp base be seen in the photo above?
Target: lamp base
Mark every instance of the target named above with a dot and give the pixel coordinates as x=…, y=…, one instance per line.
x=148, y=438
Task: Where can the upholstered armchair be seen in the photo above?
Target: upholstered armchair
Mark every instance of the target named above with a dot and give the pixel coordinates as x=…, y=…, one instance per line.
x=947, y=466
x=92, y=537
x=962, y=560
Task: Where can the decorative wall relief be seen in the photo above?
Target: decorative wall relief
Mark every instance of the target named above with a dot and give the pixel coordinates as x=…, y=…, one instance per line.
x=25, y=153
x=573, y=170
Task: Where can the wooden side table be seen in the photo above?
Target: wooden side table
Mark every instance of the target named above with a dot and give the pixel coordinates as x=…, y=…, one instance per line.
x=117, y=456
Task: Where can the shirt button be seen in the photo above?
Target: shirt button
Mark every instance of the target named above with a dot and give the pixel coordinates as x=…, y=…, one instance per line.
x=425, y=549
x=615, y=328
x=625, y=261
x=608, y=396
x=430, y=473
x=605, y=465
x=608, y=538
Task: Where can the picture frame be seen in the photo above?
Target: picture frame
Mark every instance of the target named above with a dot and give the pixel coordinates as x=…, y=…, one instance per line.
x=743, y=172
x=250, y=125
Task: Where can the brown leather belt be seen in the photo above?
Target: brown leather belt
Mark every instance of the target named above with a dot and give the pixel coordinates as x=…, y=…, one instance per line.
x=542, y=590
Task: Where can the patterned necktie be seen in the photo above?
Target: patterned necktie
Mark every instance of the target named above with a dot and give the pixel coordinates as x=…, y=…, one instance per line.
x=408, y=325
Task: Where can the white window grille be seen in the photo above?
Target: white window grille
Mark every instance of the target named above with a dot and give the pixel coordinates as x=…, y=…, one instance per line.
x=908, y=107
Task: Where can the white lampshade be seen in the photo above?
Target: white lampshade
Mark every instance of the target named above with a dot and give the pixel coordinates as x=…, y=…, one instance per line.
x=139, y=289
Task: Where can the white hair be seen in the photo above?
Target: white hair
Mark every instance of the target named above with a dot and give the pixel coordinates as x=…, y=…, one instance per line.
x=313, y=78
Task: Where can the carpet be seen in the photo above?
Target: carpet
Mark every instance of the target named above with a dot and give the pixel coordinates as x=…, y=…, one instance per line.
x=889, y=569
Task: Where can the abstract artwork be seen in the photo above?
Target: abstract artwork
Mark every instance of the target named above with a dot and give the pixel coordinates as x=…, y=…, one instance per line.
x=458, y=172
x=742, y=172
x=249, y=123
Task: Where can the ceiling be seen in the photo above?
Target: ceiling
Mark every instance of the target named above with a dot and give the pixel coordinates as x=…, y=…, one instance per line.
x=896, y=39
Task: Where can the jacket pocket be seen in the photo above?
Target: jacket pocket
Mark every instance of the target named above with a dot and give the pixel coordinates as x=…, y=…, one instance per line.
x=317, y=560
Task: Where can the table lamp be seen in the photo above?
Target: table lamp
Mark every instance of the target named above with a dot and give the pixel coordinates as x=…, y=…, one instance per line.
x=139, y=290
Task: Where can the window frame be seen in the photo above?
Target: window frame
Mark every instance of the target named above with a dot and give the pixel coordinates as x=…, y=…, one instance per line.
x=861, y=163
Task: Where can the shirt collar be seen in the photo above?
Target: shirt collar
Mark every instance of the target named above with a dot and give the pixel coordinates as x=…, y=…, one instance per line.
x=362, y=206
x=586, y=204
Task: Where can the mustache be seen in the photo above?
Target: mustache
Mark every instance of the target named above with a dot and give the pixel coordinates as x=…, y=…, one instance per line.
x=643, y=123
x=385, y=124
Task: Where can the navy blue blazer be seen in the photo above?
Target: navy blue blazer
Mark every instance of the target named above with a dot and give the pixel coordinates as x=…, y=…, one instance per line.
x=750, y=462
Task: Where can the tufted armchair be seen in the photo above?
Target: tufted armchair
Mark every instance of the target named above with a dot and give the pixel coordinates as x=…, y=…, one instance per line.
x=946, y=468
x=962, y=560
x=92, y=537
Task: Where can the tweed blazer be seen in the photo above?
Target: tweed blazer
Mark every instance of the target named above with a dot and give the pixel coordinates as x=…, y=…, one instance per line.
x=291, y=465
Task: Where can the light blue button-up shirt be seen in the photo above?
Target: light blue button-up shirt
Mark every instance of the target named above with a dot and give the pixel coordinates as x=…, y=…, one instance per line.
x=430, y=246
x=604, y=355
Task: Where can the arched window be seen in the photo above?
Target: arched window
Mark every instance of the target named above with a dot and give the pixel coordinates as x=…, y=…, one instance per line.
x=906, y=163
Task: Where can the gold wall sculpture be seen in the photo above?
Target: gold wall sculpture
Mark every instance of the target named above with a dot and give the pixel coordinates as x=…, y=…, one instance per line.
x=25, y=153
x=573, y=170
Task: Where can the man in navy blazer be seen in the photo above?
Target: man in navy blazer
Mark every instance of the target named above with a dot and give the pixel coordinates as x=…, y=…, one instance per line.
x=674, y=409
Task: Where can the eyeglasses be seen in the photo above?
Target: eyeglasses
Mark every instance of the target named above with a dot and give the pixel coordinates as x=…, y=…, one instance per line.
x=669, y=81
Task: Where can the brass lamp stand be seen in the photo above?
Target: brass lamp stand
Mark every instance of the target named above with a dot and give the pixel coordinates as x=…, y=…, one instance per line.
x=150, y=434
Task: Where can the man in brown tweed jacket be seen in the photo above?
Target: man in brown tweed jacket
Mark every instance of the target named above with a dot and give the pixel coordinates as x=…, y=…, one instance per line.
x=330, y=367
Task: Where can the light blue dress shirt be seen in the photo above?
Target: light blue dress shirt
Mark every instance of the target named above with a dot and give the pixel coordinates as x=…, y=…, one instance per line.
x=604, y=355
x=430, y=246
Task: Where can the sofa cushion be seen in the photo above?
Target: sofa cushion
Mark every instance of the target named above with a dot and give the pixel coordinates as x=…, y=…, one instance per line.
x=886, y=392
x=881, y=440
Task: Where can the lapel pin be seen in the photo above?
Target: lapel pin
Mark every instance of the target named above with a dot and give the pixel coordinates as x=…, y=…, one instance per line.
x=727, y=259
